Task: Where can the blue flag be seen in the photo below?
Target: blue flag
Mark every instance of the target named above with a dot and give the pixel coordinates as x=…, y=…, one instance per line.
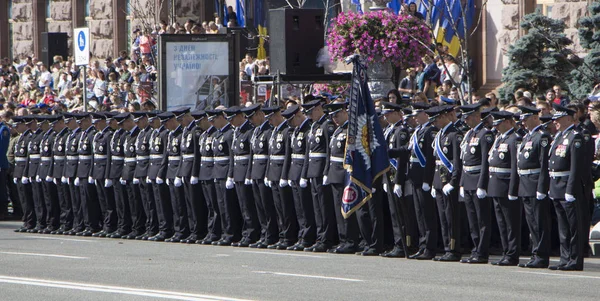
x=366, y=153
x=358, y=6
x=241, y=13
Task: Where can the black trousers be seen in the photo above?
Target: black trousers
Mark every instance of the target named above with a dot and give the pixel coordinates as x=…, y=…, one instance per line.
x=13, y=193
x=324, y=215
x=78, y=220
x=411, y=227
x=4, y=190
x=425, y=211
x=479, y=216
x=212, y=207
x=122, y=206
x=449, y=219
x=164, y=210
x=508, y=215
x=136, y=208
x=265, y=209
x=39, y=203
x=304, y=213
x=26, y=198
x=229, y=209
x=250, y=225
x=90, y=205
x=286, y=213
x=106, y=198
x=348, y=230
x=66, y=208
x=570, y=231
x=537, y=215
x=180, y=219
x=370, y=219
x=147, y=196
x=52, y=205
x=197, y=213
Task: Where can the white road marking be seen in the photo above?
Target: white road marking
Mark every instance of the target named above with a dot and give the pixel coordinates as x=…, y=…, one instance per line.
x=561, y=275
x=281, y=254
x=113, y=289
x=44, y=255
x=59, y=238
x=309, y=276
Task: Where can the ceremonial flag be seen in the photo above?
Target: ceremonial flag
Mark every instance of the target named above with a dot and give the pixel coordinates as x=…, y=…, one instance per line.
x=358, y=6
x=240, y=12
x=394, y=6
x=366, y=154
x=260, y=23
x=225, y=15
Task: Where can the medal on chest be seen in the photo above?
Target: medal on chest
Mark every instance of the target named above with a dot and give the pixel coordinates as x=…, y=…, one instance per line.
x=561, y=151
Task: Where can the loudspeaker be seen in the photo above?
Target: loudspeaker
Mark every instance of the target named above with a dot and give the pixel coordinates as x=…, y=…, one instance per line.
x=54, y=43
x=295, y=37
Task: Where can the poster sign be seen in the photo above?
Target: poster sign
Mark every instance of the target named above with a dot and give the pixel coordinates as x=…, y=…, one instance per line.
x=82, y=46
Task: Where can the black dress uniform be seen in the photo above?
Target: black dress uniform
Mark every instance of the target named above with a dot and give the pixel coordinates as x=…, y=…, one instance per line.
x=115, y=169
x=474, y=182
x=171, y=163
x=194, y=198
x=87, y=188
x=142, y=151
x=33, y=163
x=276, y=175
x=503, y=188
x=420, y=174
x=157, y=174
x=317, y=165
x=57, y=170
x=70, y=172
x=534, y=182
x=204, y=172
x=305, y=213
x=238, y=169
x=44, y=173
x=566, y=191
x=448, y=170
x=21, y=180
x=132, y=188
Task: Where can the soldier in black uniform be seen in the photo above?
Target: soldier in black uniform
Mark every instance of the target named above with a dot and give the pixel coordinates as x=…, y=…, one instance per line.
x=59, y=146
x=114, y=170
x=226, y=196
x=44, y=173
x=70, y=173
x=317, y=165
x=305, y=213
x=204, y=171
x=420, y=174
x=106, y=196
x=534, y=182
x=446, y=180
x=190, y=155
x=145, y=121
x=37, y=133
x=19, y=174
x=276, y=178
x=503, y=187
x=87, y=188
x=473, y=183
x=256, y=173
x=238, y=169
x=566, y=189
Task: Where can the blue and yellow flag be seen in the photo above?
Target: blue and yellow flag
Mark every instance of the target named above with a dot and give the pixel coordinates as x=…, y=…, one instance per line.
x=366, y=153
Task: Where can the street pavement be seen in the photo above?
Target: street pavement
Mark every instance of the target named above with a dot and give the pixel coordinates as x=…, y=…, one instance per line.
x=49, y=267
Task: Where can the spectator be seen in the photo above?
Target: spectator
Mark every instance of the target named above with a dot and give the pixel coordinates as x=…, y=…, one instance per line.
x=394, y=96
x=408, y=85
x=100, y=86
x=45, y=78
x=231, y=16
x=146, y=43
x=429, y=77
x=560, y=99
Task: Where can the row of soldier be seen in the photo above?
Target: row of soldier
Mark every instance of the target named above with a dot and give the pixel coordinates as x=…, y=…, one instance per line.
x=265, y=178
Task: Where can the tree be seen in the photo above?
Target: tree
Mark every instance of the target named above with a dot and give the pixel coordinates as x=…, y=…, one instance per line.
x=586, y=76
x=539, y=59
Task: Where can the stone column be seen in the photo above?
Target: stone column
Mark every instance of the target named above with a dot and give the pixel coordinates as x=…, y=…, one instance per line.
x=77, y=13
x=39, y=25
x=4, y=45
x=119, y=26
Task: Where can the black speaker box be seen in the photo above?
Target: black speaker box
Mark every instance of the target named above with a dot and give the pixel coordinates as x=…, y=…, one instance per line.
x=295, y=38
x=54, y=43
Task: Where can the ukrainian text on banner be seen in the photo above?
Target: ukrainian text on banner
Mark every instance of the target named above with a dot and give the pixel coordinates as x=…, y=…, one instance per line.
x=366, y=154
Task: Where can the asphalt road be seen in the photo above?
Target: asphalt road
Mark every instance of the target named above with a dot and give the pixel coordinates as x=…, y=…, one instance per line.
x=48, y=267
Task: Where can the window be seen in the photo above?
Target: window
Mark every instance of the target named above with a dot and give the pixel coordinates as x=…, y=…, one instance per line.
x=48, y=11
x=10, y=29
x=128, y=24
x=545, y=6
x=86, y=13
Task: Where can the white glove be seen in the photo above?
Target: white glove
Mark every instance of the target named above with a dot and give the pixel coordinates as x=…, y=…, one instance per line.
x=267, y=182
x=123, y=182
x=512, y=198
x=182, y=180
x=461, y=192
x=303, y=183
x=54, y=181
x=290, y=183
x=283, y=183
x=148, y=181
x=325, y=180
x=398, y=190
x=38, y=179
x=64, y=180
x=91, y=180
x=159, y=181
x=229, y=184
x=168, y=182
x=108, y=183
x=49, y=179
x=433, y=193
x=594, y=194
x=447, y=189
x=68, y=181
x=25, y=180
x=76, y=182
x=136, y=181
x=426, y=187
x=539, y=196
x=15, y=180
x=481, y=193
x=194, y=180
x=177, y=182
x=569, y=198
x=385, y=187
x=247, y=182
